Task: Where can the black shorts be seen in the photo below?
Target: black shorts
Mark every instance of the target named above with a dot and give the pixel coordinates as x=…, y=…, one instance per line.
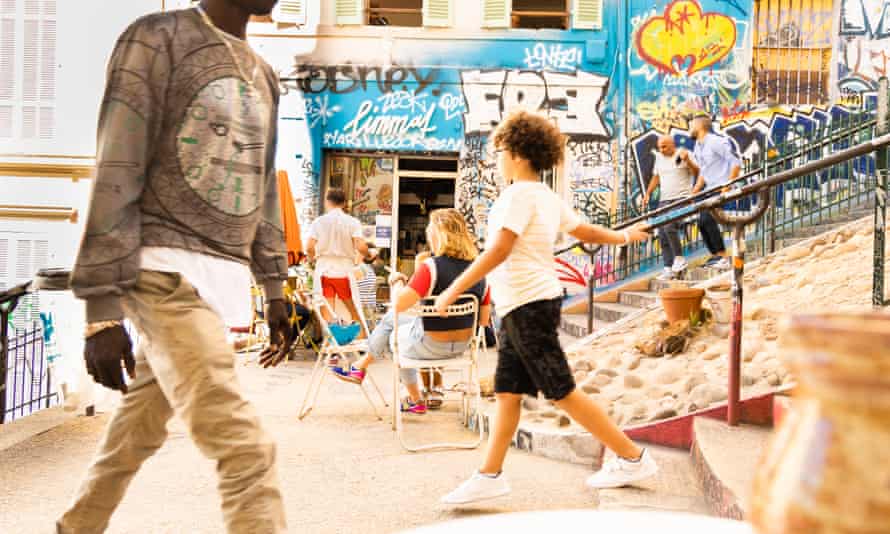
x=530, y=358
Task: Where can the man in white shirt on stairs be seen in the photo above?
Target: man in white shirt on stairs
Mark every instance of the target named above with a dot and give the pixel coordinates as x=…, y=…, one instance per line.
x=334, y=240
x=675, y=171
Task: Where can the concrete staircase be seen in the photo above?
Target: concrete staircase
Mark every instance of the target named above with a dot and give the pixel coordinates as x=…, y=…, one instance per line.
x=632, y=301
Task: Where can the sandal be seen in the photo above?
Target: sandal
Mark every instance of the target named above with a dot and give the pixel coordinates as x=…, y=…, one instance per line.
x=434, y=399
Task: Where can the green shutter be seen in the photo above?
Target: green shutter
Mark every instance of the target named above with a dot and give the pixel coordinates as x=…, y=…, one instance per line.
x=290, y=11
x=350, y=12
x=588, y=15
x=496, y=13
x=437, y=13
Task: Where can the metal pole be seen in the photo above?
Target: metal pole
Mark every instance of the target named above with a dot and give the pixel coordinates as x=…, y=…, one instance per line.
x=883, y=126
x=4, y=362
x=735, y=334
x=591, y=288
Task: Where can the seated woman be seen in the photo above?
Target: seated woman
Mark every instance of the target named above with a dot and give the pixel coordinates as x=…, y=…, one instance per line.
x=428, y=338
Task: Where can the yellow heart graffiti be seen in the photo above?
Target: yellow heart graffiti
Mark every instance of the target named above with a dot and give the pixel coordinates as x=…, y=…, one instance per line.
x=685, y=39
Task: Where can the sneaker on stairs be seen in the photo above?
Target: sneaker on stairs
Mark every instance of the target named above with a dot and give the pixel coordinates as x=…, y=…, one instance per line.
x=620, y=472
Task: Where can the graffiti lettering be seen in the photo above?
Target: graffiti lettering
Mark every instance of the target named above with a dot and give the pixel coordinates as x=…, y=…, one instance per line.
x=573, y=100
x=868, y=18
x=553, y=57
x=342, y=79
x=318, y=109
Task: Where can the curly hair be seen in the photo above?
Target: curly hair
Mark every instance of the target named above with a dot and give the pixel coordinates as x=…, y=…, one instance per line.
x=451, y=234
x=532, y=137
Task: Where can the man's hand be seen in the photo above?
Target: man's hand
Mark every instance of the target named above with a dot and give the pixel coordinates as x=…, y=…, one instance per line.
x=684, y=154
x=104, y=351
x=279, y=334
x=397, y=277
x=644, y=204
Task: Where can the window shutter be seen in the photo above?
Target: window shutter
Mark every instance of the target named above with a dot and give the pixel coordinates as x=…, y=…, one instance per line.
x=350, y=12
x=5, y=281
x=496, y=13
x=290, y=11
x=28, y=39
x=21, y=256
x=438, y=13
x=588, y=15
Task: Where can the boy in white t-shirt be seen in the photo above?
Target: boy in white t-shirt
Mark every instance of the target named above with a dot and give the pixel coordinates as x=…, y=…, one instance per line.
x=518, y=262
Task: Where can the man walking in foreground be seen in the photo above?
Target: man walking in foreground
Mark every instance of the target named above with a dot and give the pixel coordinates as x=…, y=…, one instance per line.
x=719, y=164
x=185, y=205
x=674, y=171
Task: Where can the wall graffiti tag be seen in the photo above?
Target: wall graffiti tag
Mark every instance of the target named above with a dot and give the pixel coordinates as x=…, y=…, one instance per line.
x=685, y=39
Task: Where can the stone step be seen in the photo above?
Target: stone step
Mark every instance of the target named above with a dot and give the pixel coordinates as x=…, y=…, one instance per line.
x=575, y=324
x=609, y=312
x=639, y=299
x=726, y=459
x=675, y=489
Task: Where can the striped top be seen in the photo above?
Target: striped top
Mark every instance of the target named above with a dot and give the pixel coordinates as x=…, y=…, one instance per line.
x=367, y=286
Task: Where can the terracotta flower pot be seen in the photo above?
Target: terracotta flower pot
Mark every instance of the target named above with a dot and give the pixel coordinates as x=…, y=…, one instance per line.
x=681, y=302
x=827, y=469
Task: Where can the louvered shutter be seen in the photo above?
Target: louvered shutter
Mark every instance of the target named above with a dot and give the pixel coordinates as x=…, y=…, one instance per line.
x=496, y=13
x=349, y=12
x=588, y=15
x=290, y=11
x=28, y=65
x=9, y=108
x=21, y=256
x=438, y=13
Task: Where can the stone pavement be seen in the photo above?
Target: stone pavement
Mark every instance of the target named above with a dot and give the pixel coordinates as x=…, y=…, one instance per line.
x=341, y=469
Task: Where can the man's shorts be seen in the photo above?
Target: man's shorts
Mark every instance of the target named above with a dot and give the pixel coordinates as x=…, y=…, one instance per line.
x=338, y=287
x=530, y=358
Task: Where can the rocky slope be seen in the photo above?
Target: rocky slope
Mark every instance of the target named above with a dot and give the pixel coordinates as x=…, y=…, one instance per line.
x=831, y=271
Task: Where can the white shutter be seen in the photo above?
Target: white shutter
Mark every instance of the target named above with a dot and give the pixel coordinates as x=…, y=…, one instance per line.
x=28, y=65
x=496, y=13
x=5, y=281
x=350, y=12
x=438, y=13
x=21, y=256
x=290, y=12
x=588, y=15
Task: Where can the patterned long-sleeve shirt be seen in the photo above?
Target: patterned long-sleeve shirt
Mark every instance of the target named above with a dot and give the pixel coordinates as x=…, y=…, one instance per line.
x=185, y=159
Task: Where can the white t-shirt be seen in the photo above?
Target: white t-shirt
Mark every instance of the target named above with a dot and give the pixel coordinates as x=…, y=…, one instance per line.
x=536, y=215
x=676, y=179
x=334, y=232
x=223, y=284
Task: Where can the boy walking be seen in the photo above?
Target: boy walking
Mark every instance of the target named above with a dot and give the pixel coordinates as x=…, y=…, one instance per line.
x=523, y=226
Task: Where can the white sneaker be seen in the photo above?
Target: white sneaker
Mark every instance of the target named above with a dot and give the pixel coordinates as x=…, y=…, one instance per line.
x=619, y=472
x=723, y=264
x=666, y=274
x=477, y=488
x=680, y=264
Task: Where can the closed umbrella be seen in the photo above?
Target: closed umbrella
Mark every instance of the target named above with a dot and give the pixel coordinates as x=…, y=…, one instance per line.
x=289, y=220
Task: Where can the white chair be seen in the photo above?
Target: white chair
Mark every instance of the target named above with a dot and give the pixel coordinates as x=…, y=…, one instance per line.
x=467, y=365
x=330, y=348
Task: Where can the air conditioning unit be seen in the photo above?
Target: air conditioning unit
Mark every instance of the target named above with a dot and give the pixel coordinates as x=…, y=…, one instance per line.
x=290, y=12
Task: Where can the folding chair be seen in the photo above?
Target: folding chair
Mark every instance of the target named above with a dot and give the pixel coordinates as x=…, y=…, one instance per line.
x=329, y=348
x=467, y=365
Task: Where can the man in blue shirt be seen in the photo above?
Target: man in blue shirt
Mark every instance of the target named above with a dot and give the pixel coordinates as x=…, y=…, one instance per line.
x=719, y=164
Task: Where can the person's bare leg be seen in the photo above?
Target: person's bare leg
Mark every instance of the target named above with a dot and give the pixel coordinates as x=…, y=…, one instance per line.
x=414, y=392
x=509, y=408
x=327, y=311
x=353, y=311
x=596, y=421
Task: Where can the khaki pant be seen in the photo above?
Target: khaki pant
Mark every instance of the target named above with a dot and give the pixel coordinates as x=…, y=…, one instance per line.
x=183, y=366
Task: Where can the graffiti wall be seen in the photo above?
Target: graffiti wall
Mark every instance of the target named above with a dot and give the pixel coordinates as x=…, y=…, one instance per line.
x=863, y=49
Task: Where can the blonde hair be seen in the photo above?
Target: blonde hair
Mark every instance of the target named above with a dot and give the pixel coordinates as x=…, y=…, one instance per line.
x=449, y=229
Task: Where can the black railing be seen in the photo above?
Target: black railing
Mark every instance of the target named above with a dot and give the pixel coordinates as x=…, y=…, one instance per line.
x=28, y=382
